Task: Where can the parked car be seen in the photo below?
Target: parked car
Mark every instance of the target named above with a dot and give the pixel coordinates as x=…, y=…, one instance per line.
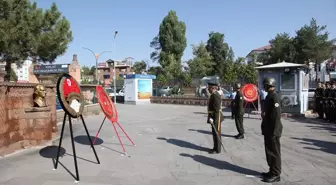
x=164, y=91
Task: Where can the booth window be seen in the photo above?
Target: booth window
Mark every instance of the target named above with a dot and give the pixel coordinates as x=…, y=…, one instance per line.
x=288, y=82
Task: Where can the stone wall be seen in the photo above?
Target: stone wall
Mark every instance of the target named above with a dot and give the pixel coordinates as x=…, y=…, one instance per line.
x=186, y=101
x=22, y=126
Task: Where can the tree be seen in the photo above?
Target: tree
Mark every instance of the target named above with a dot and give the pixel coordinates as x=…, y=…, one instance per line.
x=201, y=64
x=283, y=49
x=155, y=70
x=170, y=44
x=139, y=67
x=13, y=76
x=86, y=70
x=222, y=57
x=312, y=44
x=28, y=32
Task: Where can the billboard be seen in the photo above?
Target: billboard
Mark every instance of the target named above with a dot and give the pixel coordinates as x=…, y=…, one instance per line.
x=51, y=69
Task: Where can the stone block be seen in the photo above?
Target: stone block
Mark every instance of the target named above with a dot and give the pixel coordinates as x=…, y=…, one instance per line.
x=4, y=127
x=41, y=123
x=16, y=136
x=4, y=139
x=15, y=114
x=40, y=134
x=32, y=115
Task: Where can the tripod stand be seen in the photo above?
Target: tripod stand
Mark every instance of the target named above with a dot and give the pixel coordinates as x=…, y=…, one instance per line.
x=115, y=129
x=73, y=143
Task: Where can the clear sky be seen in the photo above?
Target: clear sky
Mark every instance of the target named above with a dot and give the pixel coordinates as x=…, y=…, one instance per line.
x=247, y=24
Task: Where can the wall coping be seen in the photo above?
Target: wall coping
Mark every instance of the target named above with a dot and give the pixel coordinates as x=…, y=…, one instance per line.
x=14, y=84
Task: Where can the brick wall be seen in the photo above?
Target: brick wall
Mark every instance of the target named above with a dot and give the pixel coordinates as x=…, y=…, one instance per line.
x=21, y=126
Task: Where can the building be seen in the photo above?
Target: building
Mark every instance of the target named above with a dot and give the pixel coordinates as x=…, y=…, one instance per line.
x=105, y=70
x=255, y=52
x=23, y=72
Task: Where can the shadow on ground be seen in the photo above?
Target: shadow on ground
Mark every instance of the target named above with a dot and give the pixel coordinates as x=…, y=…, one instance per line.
x=315, y=123
x=222, y=165
x=209, y=132
x=183, y=144
x=84, y=140
x=326, y=146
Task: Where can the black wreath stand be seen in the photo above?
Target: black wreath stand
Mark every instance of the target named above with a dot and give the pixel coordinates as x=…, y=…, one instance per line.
x=73, y=143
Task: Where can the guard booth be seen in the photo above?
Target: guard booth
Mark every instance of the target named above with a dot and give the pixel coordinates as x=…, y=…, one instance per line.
x=292, y=83
x=138, y=88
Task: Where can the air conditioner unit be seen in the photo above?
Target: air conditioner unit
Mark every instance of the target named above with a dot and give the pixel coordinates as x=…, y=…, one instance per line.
x=288, y=100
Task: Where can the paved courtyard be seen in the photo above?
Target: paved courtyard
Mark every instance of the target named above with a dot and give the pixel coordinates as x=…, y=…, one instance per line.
x=171, y=143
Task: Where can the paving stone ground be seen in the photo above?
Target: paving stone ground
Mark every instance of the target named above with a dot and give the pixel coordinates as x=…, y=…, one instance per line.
x=170, y=150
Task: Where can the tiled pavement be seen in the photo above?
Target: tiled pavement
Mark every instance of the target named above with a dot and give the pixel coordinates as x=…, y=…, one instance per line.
x=170, y=143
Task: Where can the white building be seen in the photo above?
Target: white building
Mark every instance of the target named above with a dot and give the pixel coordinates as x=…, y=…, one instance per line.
x=23, y=72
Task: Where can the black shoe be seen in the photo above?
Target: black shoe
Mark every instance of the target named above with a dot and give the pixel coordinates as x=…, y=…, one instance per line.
x=213, y=151
x=265, y=175
x=272, y=179
x=240, y=136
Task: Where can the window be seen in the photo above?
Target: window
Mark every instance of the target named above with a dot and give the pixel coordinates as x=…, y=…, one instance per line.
x=288, y=82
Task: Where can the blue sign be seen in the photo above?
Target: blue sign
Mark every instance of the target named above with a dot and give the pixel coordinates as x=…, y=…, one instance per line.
x=140, y=76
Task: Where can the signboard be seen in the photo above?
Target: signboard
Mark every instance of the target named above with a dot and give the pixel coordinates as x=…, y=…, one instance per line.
x=51, y=69
x=144, y=89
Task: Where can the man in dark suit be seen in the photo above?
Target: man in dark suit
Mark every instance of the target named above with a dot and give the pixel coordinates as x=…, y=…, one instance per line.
x=215, y=116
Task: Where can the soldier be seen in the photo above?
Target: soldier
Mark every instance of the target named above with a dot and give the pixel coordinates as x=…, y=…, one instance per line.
x=239, y=112
x=323, y=98
x=318, y=100
x=326, y=100
x=332, y=102
x=271, y=128
x=215, y=116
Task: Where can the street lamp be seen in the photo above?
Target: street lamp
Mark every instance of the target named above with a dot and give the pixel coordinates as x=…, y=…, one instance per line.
x=114, y=71
x=96, y=57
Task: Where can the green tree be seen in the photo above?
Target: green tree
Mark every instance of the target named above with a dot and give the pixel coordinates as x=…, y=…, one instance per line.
x=283, y=49
x=86, y=70
x=13, y=76
x=155, y=70
x=93, y=70
x=139, y=67
x=313, y=44
x=201, y=64
x=170, y=44
x=222, y=57
x=28, y=32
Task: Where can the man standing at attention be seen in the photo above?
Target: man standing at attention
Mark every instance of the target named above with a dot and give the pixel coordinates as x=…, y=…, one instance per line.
x=215, y=116
x=232, y=96
x=271, y=128
x=239, y=112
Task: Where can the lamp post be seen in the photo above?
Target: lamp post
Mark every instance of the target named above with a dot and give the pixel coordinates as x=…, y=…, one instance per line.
x=114, y=70
x=96, y=55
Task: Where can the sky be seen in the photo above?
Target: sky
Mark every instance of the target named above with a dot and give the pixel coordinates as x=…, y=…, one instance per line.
x=246, y=24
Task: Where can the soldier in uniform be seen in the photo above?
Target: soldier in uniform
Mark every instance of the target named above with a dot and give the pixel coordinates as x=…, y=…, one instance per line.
x=271, y=128
x=215, y=116
x=326, y=101
x=239, y=112
x=332, y=102
x=318, y=100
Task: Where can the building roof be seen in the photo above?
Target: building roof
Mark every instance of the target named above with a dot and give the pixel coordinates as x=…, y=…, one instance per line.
x=281, y=65
x=264, y=48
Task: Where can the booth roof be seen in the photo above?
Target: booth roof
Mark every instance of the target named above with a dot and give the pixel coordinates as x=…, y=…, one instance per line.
x=281, y=65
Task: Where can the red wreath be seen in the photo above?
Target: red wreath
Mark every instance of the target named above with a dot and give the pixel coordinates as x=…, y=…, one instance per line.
x=250, y=92
x=107, y=105
x=70, y=86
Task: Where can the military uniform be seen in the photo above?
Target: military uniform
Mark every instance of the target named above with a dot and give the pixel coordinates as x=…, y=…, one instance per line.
x=215, y=113
x=319, y=101
x=326, y=100
x=332, y=100
x=239, y=113
x=271, y=128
